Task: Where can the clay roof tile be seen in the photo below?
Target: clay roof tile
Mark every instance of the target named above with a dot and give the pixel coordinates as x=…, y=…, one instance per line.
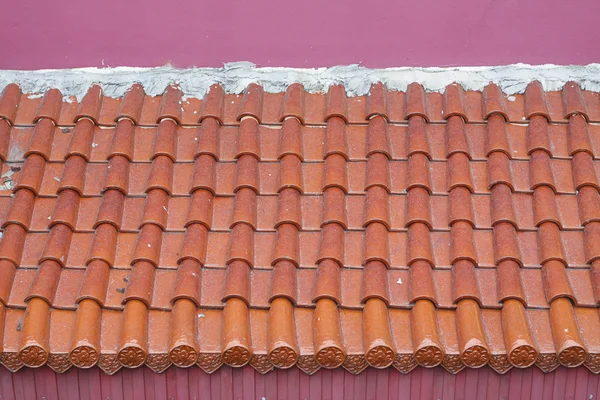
x=297, y=228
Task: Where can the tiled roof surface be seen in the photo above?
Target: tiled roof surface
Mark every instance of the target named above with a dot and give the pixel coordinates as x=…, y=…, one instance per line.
x=396, y=229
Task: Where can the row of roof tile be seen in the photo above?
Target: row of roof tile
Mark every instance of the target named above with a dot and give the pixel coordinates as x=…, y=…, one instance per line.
x=355, y=211
x=357, y=328
x=351, y=249
x=397, y=142
x=268, y=178
x=310, y=108
x=398, y=288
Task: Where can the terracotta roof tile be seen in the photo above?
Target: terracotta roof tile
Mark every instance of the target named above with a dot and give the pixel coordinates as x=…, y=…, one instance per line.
x=309, y=229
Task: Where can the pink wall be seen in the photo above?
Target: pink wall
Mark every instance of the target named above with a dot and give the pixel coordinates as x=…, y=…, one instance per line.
x=246, y=383
x=308, y=33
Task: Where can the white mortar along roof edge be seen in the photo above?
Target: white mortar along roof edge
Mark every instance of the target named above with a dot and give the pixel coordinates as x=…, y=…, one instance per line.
x=235, y=77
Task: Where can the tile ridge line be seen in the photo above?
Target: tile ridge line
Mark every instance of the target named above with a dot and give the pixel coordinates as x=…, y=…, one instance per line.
x=357, y=80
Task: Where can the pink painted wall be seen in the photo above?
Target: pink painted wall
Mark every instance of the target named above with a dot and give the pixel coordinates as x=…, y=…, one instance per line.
x=308, y=33
x=293, y=384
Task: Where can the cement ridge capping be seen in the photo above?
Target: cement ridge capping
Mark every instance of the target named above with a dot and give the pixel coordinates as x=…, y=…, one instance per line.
x=235, y=77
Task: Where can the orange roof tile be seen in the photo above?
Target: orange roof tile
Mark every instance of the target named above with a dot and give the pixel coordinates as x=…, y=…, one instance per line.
x=395, y=229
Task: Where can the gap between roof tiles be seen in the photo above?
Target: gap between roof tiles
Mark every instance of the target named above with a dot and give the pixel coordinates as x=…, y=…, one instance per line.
x=309, y=125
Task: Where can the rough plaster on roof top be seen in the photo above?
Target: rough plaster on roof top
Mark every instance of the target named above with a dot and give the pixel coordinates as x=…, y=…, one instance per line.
x=235, y=77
